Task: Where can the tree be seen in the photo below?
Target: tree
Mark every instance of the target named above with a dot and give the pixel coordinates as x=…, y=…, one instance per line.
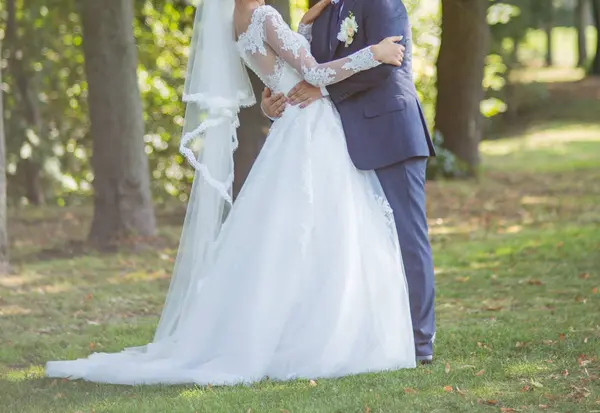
x=3, y=220
x=549, y=29
x=460, y=68
x=122, y=199
x=581, y=22
x=595, y=68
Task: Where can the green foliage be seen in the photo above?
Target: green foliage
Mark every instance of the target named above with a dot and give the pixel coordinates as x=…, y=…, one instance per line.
x=45, y=99
x=163, y=31
x=444, y=164
x=48, y=47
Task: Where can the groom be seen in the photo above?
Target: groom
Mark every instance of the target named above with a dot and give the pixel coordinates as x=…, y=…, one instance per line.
x=385, y=131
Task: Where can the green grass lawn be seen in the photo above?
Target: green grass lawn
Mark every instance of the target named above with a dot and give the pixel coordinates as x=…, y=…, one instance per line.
x=518, y=271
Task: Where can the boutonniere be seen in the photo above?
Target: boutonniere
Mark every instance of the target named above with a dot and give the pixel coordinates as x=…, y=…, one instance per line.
x=348, y=29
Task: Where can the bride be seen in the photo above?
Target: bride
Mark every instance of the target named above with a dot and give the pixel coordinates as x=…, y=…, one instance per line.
x=302, y=276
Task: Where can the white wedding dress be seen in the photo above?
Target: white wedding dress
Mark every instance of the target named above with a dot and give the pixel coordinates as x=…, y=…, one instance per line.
x=306, y=278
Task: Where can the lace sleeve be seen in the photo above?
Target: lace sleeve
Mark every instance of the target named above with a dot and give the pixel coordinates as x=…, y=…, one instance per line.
x=296, y=51
x=306, y=31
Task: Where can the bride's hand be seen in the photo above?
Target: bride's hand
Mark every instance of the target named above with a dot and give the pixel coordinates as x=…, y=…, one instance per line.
x=389, y=51
x=314, y=12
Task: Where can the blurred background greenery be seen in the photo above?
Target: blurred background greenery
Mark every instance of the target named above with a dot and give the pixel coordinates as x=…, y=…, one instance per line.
x=49, y=143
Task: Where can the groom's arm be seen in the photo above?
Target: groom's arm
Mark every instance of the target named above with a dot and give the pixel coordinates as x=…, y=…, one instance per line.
x=384, y=18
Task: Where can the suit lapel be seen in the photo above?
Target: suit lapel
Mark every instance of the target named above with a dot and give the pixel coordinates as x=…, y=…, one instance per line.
x=334, y=28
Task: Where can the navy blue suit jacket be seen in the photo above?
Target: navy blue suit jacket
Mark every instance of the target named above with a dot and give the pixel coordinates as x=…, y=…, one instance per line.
x=382, y=117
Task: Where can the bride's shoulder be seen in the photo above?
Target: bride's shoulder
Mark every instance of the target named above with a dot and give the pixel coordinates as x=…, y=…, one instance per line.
x=261, y=13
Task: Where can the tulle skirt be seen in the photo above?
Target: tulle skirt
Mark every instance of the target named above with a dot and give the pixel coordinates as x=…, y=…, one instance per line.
x=305, y=280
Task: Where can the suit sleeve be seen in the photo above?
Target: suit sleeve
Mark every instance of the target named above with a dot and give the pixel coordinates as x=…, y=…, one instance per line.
x=383, y=19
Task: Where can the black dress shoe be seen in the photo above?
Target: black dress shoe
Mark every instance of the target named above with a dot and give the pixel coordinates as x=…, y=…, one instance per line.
x=425, y=362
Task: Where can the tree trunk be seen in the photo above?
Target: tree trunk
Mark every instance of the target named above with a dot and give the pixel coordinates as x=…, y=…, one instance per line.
x=460, y=65
x=514, y=54
x=581, y=25
x=122, y=199
x=549, y=30
x=29, y=173
x=595, y=68
x=251, y=135
x=4, y=267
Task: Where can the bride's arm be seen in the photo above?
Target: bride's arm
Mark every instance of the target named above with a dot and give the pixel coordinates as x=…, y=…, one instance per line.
x=290, y=48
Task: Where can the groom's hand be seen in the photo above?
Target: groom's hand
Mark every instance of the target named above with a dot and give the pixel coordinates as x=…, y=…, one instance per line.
x=304, y=94
x=272, y=105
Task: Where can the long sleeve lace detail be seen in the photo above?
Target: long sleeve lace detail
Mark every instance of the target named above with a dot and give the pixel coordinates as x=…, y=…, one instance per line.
x=306, y=31
x=268, y=31
x=295, y=50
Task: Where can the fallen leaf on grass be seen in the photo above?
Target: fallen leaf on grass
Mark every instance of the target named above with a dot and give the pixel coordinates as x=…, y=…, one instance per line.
x=561, y=337
x=579, y=393
x=584, y=276
x=461, y=392
x=549, y=342
x=367, y=409
x=447, y=368
x=58, y=396
x=536, y=384
x=480, y=373
x=595, y=290
x=535, y=282
x=448, y=389
x=583, y=360
x=525, y=388
x=408, y=390
x=483, y=345
x=565, y=372
x=507, y=409
x=543, y=406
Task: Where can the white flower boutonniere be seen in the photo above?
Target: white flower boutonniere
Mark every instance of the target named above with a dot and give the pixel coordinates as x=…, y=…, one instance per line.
x=348, y=29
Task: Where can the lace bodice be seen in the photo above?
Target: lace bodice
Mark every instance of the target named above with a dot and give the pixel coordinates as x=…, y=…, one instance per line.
x=281, y=57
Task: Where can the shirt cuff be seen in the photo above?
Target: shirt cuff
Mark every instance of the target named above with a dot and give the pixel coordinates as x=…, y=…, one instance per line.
x=324, y=91
x=265, y=113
